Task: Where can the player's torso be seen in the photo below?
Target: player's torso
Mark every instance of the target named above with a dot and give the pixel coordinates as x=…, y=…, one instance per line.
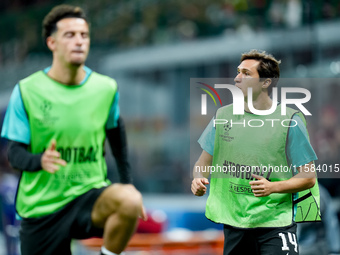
x=247, y=144
x=75, y=116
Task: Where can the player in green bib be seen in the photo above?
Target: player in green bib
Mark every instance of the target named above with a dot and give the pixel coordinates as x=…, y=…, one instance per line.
x=56, y=123
x=255, y=190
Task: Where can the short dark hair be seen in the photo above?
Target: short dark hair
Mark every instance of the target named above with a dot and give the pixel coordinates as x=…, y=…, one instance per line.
x=268, y=66
x=57, y=13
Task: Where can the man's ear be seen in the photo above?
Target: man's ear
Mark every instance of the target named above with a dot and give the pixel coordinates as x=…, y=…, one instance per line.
x=50, y=42
x=266, y=83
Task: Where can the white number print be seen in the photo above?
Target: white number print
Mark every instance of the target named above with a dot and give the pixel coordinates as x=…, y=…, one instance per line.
x=292, y=240
x=284, y=242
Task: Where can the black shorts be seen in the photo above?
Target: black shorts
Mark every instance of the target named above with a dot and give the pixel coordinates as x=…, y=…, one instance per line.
x=52, y=234
x=260, y=241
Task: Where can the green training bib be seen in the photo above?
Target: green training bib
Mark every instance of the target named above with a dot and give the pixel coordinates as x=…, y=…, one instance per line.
x=75, y=116
x=248, y=144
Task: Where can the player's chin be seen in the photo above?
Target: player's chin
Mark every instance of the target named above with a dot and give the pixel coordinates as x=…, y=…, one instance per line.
x=77, y=63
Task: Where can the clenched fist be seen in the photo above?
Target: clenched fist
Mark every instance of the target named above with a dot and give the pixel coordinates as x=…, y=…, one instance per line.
x=198, y=186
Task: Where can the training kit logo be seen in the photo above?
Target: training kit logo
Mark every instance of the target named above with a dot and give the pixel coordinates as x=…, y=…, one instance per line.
x=227, y=128
x=46, y=118
x=239, y=103
x=46, y=107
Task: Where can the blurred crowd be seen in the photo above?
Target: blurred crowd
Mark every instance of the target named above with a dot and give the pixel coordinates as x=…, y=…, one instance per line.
x=121, y=24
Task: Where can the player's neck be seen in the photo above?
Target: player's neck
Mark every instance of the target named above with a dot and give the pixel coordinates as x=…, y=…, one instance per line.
x=262, y=102
x=68, y=75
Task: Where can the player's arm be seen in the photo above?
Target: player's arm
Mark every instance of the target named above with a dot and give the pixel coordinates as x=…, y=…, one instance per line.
x=16, y=130
x=305, y=179
x=201, y=174
x=117, y=140
x=299, y=153
x=20, y=158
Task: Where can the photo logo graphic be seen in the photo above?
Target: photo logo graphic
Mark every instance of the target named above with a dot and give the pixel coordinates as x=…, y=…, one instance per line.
x=238, y=99
x=204, y=97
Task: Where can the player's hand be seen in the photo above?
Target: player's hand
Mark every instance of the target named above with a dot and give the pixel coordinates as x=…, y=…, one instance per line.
x=50, y=160
x=198, y=187
x=261, y=187
x=143, y=215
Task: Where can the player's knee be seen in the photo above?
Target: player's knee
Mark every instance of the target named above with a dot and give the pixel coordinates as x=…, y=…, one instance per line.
x=131, y=204
x=123, y=199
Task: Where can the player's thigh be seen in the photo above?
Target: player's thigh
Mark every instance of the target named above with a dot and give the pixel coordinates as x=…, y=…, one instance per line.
x=80, y=215
x=44, y=236
x=116, y=197
x=279, y=241
x=238, y=241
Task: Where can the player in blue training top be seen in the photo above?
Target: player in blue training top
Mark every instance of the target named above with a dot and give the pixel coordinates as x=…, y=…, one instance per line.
x=56, y=123
x=258, y=206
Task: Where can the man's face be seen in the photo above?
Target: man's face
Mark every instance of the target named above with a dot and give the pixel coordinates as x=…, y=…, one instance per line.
x=70, y=43
x=247, y=76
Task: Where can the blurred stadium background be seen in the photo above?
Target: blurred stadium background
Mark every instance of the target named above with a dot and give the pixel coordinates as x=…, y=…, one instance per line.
x=152, y=48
